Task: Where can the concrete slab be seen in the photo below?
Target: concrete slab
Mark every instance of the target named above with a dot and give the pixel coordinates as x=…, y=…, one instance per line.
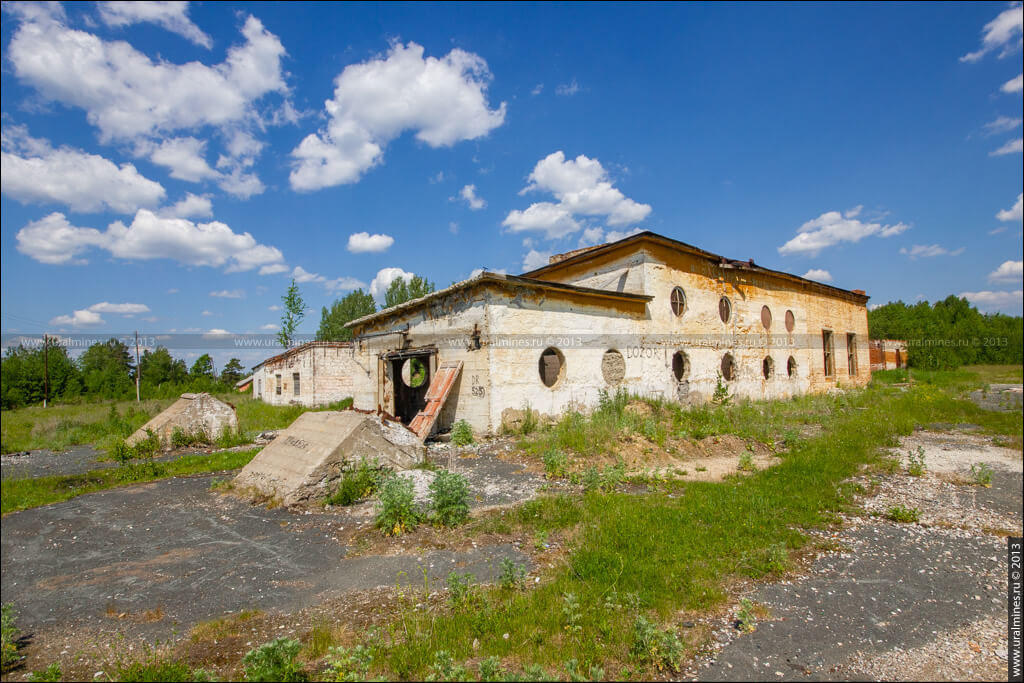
x=191, y=413
x=305, y=460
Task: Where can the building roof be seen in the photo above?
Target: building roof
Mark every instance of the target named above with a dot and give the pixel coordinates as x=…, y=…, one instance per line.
x=500, y=279
x=582, y=255
x=304, y=347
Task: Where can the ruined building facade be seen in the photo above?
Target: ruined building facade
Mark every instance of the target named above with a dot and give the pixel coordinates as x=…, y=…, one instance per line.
x=647, y=314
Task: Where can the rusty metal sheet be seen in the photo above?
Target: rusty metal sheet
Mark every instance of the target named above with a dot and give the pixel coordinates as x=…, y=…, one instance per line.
x=440, y=386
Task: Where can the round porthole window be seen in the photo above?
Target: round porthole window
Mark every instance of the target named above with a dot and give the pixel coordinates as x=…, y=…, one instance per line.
x=728, y=367
x=790, y=321
x=724, y=309
x=766, y=317
x=613, y=366
x=551, y=365
x=680, y=366
x=678, y=299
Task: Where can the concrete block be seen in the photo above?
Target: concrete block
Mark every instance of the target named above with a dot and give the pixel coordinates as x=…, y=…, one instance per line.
x=308, y=458
x=190, y=413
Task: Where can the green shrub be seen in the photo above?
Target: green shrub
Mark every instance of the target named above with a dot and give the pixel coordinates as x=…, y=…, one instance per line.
x=462, y=433
x=513, y=575
x=460, y=587
x=746, y=463
x=592, y=479
x=350, y=664
x=449, y=498
x=900, y=513
x=396, y=509
x=745, y=619
x=51, y=674
x=183, y=439
x=555, y=463
x=981, y=474
x=444, y=668
x=274, y=661
x=491, y=670
x=660, y=648
x=8, y=638
x=361, y=482
x=915, y=462
x=156, y=669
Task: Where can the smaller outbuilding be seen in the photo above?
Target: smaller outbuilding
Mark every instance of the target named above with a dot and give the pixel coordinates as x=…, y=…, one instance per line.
x=887, y=354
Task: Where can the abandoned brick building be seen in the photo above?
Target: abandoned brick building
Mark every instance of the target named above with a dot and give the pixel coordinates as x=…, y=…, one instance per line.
x=646, y=314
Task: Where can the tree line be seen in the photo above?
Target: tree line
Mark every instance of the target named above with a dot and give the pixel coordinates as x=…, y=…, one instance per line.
x=358, y=303
x=105, y=370
x=949, y=333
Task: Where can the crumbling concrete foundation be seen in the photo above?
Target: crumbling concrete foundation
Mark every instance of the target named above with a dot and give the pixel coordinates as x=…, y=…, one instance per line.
x=191, y=413
x=306, y=459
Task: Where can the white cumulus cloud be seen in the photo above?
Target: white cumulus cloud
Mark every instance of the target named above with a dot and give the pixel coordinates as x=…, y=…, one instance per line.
x=1013, y=85
x=1009, y=271
x=1010, y=147
x=818, y=274
x=123, y=309
x=228, y=294
x=468, y=193
x=1001, y=124
x=582, y=188
x=443, y=99
x=990, y=301
x=192, y=206
x=362, y=242
x=33, y=171
x=168, y=14
x=831, y=228
x=80, y=318
x=1002, y=33
x=535, y=259
x=1014, y=213
x=929, y=250
x=149, y=236
x=127, y=95
x=384, y=278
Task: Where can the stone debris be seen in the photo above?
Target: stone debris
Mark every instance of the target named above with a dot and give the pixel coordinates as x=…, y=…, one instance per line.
x=304, y=460
x=192, y=413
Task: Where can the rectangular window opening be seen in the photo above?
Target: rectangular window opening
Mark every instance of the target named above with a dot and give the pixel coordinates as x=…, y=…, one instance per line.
x=851, y=353
x=828, y=350
x=295, y=383
x=277, y=388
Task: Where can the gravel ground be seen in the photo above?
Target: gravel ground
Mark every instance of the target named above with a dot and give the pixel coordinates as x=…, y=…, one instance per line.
x=924, y=601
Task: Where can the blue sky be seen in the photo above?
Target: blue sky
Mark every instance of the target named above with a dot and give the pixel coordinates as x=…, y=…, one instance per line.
x=170, y=166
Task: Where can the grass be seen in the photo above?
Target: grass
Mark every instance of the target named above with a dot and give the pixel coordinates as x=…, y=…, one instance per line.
x=20, y=494
x=707, y=531
x=61, y=426
x=630, y=563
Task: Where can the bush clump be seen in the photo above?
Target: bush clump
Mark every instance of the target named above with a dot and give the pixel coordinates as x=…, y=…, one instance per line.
x=449, y=498
x=462, y=433
x=274, y=661
x=361, y=482
x=396, y=509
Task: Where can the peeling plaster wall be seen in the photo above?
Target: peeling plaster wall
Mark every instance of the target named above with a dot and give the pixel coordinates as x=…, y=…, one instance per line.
x=516, y=324
x=705, y=338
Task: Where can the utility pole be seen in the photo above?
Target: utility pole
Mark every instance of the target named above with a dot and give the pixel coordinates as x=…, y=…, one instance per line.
x=46, y=368
x=138, y=368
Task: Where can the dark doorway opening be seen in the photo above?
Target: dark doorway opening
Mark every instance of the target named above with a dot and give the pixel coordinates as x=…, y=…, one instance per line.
x=411, y=373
